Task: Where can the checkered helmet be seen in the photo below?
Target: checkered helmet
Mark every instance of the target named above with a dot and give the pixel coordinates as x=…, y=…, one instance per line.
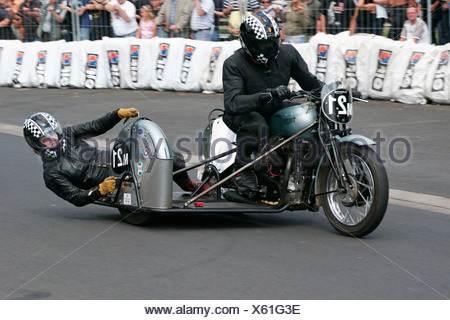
x=39, y=126
x=260, y=37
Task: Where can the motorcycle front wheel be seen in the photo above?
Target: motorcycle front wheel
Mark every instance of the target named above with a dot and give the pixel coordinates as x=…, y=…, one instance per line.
x=357, y=209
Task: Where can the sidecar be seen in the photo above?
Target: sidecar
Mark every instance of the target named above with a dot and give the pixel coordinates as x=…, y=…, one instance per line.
x=142, y=162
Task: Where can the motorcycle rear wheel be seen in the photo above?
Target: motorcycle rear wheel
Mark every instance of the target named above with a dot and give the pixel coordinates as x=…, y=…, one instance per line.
x=356, y=213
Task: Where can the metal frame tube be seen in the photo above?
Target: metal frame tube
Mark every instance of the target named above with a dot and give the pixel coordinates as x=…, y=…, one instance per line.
x=187, y=203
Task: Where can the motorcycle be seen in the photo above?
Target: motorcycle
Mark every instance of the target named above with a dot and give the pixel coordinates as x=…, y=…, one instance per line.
x=312, y=160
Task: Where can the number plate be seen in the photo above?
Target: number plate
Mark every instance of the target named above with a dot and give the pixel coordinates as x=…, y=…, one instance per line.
x=120, y=157
x=337, y=106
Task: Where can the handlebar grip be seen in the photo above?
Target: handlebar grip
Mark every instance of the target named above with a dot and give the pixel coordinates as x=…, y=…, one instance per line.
x=356, y=94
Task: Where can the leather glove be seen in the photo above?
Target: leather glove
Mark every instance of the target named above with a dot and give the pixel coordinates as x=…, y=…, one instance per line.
x=281, y=92
x=107, y=186
x=127, y=113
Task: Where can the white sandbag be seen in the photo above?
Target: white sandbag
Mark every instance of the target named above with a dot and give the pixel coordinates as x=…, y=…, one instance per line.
x=164, y=59
x=26, y=60
x=190, y=62
x=382, y=53
x=10, y=60
x=138, y=63
x=437, y=86
x=324, y=49
x=7, y=50
x=40, y=64
x=408, y=85
x=95, y=64
x=211, y=77
x=117, y=51
x=352, y=62
x=70, y=66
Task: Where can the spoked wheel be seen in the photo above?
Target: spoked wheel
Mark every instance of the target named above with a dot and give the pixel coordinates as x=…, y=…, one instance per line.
x=358, y=208
x=136, y=218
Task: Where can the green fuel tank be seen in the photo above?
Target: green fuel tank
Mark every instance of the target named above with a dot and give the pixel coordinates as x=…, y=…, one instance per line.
x=291, y=120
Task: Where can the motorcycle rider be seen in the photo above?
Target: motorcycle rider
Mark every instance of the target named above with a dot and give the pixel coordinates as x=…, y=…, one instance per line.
x=255, y=80
x=74, y=170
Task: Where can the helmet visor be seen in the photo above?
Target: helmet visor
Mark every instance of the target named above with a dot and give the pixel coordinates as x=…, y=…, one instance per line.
x=50, y=139
x=269, y=47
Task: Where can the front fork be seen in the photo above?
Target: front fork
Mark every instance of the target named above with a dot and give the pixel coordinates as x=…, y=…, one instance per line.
x=334, y=155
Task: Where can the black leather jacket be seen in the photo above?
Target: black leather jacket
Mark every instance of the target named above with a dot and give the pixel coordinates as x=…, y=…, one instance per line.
x=79, y=167
x=243, y=80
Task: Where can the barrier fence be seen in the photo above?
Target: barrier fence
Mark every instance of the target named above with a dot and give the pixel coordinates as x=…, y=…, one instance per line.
x=378, y=67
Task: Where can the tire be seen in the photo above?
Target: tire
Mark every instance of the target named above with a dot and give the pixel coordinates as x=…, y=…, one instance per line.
x=355, y=213
x=136, y=218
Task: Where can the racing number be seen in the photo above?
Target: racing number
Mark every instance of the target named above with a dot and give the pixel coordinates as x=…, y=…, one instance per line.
x=120, y=157
x=342, y=105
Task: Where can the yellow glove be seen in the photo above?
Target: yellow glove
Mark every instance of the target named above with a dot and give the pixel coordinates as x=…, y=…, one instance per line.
x=107, y=186
x=127, y=113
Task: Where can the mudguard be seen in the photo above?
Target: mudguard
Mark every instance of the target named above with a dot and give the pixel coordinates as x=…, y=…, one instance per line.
x=352, y=138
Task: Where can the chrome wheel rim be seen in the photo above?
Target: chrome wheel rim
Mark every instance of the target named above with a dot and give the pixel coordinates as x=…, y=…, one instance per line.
x=352, y=214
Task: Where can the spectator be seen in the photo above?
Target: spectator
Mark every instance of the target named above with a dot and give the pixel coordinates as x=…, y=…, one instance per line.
x=266, y=7
x=173, y=18
x=233, y=5
x=337, y=16
x=123, y=14
x=414, y=28
x=202, y=20
x=218, y=13
x=314, y=16
x=436, y=17
x=66, y=25
x=139, y=4
x=147, y=25
x=101, y=20
x=51, y=16
x=279, y=6
x=234, y=21
x=156, y=5
x=29, y=12
x=16, y=25
x=397, y=10
x=381, y=16
x=5, y=21
x=365, y=20
x=444, y=27
x=295, y=19
x=85, y=21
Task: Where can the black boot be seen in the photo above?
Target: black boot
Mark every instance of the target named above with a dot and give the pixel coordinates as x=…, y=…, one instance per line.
x=247, y=180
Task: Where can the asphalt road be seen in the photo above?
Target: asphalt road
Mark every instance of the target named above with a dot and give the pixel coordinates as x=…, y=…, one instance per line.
x=53, y=250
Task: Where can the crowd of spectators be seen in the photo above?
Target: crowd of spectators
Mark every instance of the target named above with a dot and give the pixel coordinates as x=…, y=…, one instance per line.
x=48, y=20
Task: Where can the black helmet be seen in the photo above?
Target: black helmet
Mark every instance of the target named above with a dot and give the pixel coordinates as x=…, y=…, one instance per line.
x=43, y=133
x=260, y=37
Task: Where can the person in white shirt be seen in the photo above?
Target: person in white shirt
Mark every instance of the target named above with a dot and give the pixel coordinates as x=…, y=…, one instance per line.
x=202, y=20
x=123, y=18
x=414, y=28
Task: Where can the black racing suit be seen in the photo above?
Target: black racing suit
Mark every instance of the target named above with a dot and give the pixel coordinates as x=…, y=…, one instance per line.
x=243, y=82
x=80, y=167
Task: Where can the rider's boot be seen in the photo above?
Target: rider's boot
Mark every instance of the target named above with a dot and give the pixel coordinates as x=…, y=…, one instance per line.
x=247, y=180
x=191, y=186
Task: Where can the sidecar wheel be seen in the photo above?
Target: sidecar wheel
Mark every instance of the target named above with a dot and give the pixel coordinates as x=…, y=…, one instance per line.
x=135, y=218
x=355, y=212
